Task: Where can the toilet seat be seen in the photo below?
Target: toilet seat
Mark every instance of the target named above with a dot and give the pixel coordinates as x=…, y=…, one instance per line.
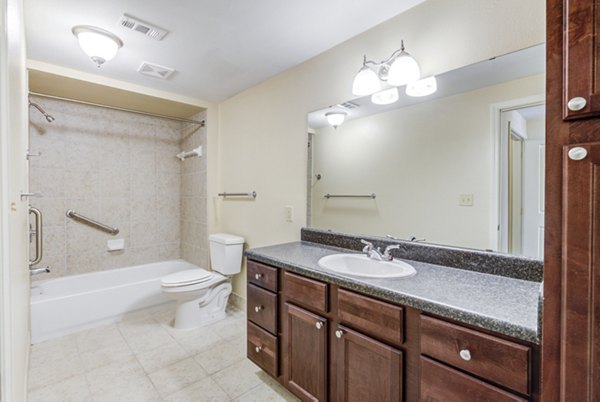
x=187, y=278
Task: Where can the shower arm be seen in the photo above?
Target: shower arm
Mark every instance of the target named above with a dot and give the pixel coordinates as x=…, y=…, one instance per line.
x=48, y=117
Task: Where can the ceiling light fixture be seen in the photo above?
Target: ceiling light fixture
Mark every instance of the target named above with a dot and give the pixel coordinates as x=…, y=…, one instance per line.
x=398, y=69
x=97, y=43
x=335, y=118
x=385, y=97
x=423, y=87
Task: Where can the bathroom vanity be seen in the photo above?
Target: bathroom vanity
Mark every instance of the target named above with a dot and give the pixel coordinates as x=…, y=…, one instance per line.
x=445, y=334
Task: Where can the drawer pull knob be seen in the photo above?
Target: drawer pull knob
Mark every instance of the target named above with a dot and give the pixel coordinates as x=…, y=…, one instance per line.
x=577, y=153
x=319, y=325
x=339, y=333
x=257, y=276
x=258, y=349
x=576, y=104
x=258, y=308
x=465, y=354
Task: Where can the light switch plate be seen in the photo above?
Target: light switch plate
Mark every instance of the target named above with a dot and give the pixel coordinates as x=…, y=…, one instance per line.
x=465, y=200
x=289, y=213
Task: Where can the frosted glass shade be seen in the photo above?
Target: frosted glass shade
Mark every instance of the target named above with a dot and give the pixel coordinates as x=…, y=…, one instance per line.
x=335, y=118
x=98, y=44
x=366, y=82
x=403, y=70
x=385, y=97
x=423, y=87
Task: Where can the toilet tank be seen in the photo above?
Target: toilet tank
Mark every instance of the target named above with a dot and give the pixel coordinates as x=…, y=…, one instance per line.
x=226, y=253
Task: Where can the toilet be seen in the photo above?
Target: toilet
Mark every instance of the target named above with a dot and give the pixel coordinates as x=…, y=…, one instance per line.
x=202, y=295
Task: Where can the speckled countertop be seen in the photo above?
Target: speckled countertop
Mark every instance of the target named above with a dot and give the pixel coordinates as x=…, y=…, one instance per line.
x=505, y=305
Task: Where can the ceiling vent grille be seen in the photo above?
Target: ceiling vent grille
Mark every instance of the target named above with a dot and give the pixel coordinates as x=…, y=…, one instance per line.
x=349, y=105
x=151, y=31
x=154, y=70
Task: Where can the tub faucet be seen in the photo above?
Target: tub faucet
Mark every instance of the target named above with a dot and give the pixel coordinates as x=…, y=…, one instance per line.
x=376, y=254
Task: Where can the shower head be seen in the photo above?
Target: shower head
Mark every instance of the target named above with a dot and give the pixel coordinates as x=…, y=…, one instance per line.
x=48, y=117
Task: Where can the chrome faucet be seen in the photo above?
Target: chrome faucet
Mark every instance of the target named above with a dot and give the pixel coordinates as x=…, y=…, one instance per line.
x=376, y=254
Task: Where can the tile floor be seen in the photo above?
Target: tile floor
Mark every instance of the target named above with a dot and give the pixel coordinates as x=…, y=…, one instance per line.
x=144, y=359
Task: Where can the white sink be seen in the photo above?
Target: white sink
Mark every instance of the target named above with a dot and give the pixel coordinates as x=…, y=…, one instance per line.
x=361, y=265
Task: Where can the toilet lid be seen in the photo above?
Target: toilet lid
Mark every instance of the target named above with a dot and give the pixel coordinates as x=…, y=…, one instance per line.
x=187, y=277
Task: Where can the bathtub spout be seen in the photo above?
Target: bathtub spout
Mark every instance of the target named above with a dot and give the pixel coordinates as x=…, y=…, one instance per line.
x=37, y=271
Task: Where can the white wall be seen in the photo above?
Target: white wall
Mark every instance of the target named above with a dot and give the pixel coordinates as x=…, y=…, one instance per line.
x=418, y=160
x=262, y=131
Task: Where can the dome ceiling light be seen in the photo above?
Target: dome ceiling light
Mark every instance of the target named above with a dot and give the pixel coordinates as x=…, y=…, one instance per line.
x=335, y=118
x=99, y=44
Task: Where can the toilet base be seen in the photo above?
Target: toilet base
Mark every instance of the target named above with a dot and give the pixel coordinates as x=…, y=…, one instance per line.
x=196, y=313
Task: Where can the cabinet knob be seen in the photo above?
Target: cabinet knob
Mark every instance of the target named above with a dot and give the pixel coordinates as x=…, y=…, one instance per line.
x=339, y=333
x=319, y=325
x=258, y=349
x=576, y=104
x=257, y=276
x=577, y=153
x=258, y=308
x=465, y=354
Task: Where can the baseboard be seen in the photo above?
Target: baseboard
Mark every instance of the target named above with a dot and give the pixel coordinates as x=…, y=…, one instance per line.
x=237, y=301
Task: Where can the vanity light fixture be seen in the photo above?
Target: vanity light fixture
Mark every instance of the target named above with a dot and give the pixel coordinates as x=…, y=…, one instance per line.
x=398, y=69
x=335, y=118
x=385, y=97
x=97, y=43
x=423, y=87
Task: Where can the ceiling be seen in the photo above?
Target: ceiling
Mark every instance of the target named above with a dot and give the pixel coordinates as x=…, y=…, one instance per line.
x=218, y=48
x=508, y=67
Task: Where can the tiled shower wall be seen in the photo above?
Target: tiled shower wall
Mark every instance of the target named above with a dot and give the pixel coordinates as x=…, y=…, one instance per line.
x=118, y=168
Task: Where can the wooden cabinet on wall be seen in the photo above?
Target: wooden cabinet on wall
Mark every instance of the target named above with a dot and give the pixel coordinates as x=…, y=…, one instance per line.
x=571, y=323
x=339, y=345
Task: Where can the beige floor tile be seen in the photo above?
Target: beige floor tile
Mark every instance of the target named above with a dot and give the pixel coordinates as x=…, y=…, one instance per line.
x=54, y=361
x=161, y=357
x=199, y=343
x=180, y=334
x=267, y=393
x=120, y=379
x=73, y=389
x=230, y=327
x=240, y=378
x=115, y=353
x=98, y=338
x=144, y=335
x=223, y=355
x=177, y=376
x=205, y=390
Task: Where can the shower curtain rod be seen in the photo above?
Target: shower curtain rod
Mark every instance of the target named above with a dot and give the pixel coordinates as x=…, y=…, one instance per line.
x=202, y=123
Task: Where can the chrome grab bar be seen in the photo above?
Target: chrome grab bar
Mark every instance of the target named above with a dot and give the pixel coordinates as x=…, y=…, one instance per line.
x=37, y=232
x=250, y=194
x=372, y=196
x=88, y=221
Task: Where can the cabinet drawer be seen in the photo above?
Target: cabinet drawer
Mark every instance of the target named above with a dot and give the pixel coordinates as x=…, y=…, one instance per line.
x=440, y=383
x=262, y=308
x=498, y=360
x=381, y=320
x=262, y=275
x=308, y=292
x=263, y=349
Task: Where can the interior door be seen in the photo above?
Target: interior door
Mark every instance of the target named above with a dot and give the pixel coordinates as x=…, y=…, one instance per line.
x=14, y=250
x=533, y=198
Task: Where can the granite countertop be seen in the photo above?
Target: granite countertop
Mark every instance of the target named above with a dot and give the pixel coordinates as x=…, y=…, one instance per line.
x=501, y=304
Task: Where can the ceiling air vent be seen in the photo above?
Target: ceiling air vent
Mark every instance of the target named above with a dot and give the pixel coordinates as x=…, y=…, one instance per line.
x=349, y=105
x=154, y=32
x=154, y=70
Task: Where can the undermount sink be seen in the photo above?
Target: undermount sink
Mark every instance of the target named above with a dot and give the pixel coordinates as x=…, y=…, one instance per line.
x=361, y=265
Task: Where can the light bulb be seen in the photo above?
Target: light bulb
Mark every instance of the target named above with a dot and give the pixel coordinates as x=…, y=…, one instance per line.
x=97, y=43
x=366, y=82
x=385, y=97
x=423, y=87
x=403, y=70
x=335, y=118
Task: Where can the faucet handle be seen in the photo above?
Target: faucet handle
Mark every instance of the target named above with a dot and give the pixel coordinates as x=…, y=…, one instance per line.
x=387, y=252
x=368, y=246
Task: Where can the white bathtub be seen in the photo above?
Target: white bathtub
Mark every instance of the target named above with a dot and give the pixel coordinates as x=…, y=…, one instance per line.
x=69, y=304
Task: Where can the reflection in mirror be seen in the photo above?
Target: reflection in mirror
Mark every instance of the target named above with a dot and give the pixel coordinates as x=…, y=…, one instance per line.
x=463, y=166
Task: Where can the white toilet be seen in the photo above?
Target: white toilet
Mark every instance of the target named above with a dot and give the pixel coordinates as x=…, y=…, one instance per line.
x=202, y=295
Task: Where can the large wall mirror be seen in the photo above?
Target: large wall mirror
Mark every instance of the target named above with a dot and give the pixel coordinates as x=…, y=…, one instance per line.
x=463, y=166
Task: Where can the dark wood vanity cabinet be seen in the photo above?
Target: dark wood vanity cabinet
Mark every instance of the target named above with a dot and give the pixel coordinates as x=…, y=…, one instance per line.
x=339, y=345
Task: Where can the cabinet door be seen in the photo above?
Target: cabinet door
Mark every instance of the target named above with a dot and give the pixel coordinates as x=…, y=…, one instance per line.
x=365, y=369
x=581, y=71
x=581, y=273
x=305, y=353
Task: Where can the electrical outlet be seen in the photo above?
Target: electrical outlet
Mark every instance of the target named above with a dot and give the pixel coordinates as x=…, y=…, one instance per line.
x=465, y=200
x=289, y=213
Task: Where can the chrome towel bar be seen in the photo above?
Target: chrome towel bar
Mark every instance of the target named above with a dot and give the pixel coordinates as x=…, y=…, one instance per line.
x=84, y=219
x=372, y=196
x=250, y=194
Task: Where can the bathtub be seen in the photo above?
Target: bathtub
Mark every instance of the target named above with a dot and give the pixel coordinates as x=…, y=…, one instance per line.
x=69, y=304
